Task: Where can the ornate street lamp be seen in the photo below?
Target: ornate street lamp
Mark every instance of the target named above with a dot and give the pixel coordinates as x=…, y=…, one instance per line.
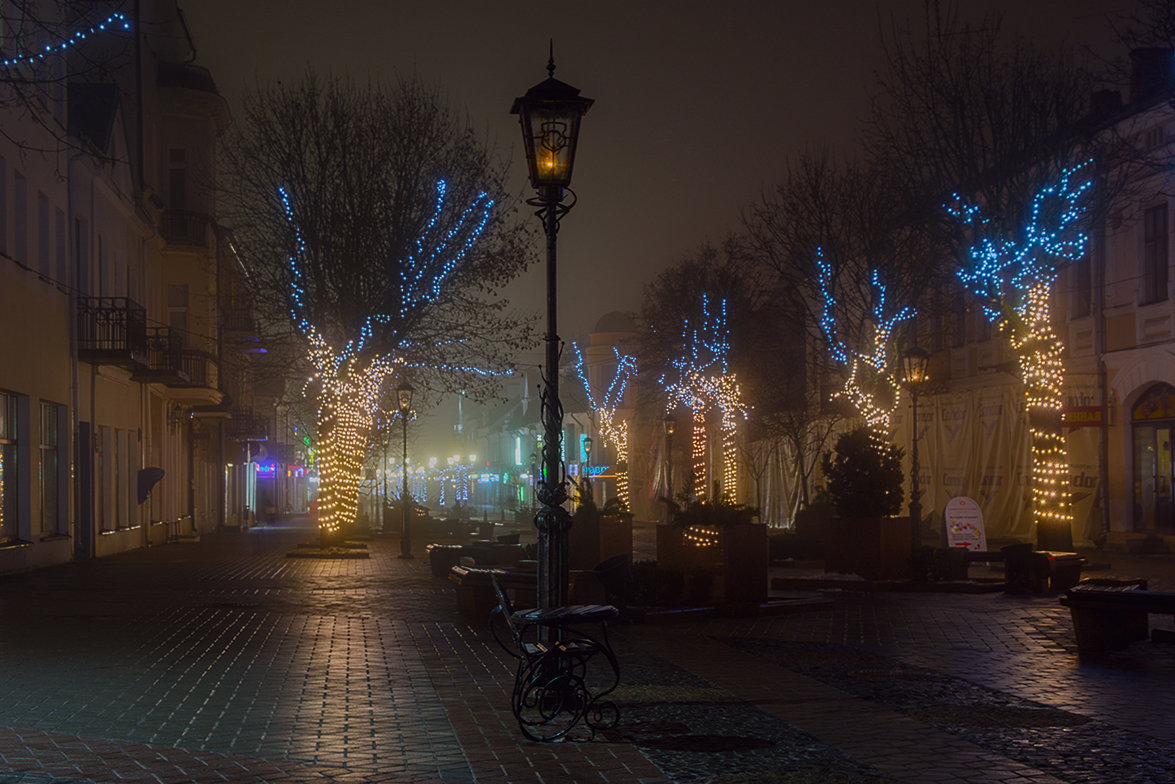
x=670, y=423
x=549, y=114
x=404, y=396
x=914, y=363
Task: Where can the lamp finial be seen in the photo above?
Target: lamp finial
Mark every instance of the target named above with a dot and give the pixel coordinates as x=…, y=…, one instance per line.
x=551, y=60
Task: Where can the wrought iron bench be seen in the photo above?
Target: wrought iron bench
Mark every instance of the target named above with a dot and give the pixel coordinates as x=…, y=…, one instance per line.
x=563, y=671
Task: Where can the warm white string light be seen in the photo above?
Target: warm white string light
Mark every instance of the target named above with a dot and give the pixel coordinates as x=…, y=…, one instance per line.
x=701, y=382
x=612, y=430
x=867, y=372
x=1013, y=278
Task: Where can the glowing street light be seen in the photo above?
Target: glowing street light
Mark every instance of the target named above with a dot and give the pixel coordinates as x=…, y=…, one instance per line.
x=549, y=114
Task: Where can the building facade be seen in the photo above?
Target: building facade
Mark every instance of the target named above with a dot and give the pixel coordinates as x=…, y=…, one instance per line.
x=125, y=327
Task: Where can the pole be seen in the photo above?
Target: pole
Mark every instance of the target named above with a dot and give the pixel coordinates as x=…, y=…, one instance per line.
x=669, y=468
x=552, y=520
x=915, y=492
x=405, y=501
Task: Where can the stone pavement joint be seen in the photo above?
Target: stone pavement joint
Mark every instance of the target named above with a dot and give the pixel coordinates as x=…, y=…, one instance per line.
x=224, y=661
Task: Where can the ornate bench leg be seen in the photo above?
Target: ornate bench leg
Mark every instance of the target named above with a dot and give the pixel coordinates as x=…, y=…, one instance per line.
x=552, y=692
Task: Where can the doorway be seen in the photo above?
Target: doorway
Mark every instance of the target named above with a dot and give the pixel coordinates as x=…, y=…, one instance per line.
x=1153, y=425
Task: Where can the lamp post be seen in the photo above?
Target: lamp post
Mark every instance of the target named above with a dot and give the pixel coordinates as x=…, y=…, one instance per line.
x=914, y=362
x=549, y=114
x=587, y=464
x=404, y=395
x=670, y=423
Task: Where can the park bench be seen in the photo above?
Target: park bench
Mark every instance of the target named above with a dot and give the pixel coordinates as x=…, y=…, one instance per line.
x=1111, y=614
x=566, y=665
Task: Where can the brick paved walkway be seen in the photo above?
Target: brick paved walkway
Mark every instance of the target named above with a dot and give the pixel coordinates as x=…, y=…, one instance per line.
x=224, y=660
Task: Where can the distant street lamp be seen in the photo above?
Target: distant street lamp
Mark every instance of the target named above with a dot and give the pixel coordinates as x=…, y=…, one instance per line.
x=587, y=461
x=549, y=114
x=670, y=423
x=404, y=395
x=914, y=363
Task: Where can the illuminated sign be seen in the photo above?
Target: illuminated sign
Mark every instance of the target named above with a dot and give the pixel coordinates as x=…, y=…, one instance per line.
x=1082, y=416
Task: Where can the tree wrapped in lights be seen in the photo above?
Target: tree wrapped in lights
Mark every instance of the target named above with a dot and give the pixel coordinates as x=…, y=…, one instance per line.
x=871, y=384
x=385, y=213
x=1013, y=277
x=700, y=380
x=612, y=430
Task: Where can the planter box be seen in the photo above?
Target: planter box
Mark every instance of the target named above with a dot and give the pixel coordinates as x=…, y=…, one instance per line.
x=594, y=538
x=732, y=559
x=876, y=548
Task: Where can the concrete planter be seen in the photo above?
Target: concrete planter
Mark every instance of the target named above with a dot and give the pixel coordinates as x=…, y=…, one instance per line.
x=876, y=548
x=594, y=538
x=726, y=564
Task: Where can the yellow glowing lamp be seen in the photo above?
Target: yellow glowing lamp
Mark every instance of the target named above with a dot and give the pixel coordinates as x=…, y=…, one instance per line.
x=914, y=362
x=549, y=114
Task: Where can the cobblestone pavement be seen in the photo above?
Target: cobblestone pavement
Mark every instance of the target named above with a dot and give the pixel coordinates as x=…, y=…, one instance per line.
x=225, y=660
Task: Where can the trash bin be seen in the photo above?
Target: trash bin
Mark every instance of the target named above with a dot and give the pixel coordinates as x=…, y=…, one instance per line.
x=1017, y=567
x=442, y=558
x=1055, y=571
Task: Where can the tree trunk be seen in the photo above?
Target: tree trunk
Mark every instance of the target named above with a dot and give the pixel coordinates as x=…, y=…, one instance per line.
x=1039, y=350
x=342, y=430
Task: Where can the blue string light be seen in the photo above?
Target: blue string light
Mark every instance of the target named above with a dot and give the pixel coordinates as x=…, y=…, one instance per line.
x=422, y=274
x=1012, y=266
x=114, y=22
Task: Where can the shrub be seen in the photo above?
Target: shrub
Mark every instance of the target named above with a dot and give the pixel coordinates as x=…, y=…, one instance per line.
x=716, y=513
x=865, y=475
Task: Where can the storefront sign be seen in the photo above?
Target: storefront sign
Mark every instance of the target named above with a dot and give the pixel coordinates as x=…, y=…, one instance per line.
x=964, y=524
x=1082, y=416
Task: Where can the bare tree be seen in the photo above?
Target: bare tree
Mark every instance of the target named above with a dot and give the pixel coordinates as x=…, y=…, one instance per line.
x=986, y=135
x=376, y=228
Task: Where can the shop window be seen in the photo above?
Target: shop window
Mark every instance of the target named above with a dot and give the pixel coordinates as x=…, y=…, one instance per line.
x=50, y=469
x=9, y=469
x=1153, y=425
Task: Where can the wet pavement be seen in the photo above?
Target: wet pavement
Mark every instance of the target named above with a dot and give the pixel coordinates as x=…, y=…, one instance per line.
x=225, y=660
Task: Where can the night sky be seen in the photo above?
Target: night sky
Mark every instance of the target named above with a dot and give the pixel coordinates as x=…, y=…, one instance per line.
x=698, y=107
x=698, y=104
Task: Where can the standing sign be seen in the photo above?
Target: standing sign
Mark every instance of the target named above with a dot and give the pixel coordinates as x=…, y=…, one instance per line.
x=964, y=524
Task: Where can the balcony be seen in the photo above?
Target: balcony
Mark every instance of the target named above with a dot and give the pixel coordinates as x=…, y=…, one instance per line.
x=187, y=229
x=200, y=368
x=165, y=351
x=112, y=331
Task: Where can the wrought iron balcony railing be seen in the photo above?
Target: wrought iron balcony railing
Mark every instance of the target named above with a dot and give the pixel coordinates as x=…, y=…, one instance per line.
x=200, y=368
x=165, y=350
x=112, y=331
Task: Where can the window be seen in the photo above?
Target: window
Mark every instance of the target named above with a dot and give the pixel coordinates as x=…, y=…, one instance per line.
x=177, y=307
x=43, y=235
x=177, y=181
x=62, y=272
x=3, y=206
x=1154, y=255
x=20, y=219
x=50, y=473
x=100, y=476
x=82, y=235
x=958, y=320
x=9, y=470
x=1082, y=287
x=982, y=324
